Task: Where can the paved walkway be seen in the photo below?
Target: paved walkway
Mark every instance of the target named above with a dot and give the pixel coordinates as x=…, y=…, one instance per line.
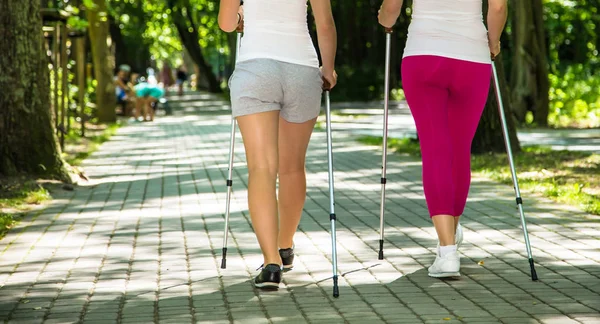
x=141, y=243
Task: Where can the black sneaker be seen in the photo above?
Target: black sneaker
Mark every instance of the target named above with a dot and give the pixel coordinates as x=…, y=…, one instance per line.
x=287, y=258
x=269, y=277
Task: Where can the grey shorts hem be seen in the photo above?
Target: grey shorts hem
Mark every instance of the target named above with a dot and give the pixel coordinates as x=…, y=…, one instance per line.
x=298, y=119
x=255, y=109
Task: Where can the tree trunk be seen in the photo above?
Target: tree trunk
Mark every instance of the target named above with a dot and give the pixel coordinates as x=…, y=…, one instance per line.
x=103, y=61
x=489, y=136
x=529, y=76
x=28, y=143
x=188, y=32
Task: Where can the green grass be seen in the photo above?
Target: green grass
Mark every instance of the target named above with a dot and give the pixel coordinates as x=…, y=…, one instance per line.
x=78, y=149
x=564, y=176
x=16, y=197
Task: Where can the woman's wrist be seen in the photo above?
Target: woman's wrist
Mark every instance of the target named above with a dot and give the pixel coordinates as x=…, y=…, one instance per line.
x=493, y=40
x=327, y=70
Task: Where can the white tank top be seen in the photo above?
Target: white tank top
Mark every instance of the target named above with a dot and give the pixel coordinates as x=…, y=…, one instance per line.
x=278, y=30
x=448, y=28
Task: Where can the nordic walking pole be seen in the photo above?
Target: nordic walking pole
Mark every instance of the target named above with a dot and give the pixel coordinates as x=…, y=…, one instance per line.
x=332, y=217
x=513, y=171
x=386, y=89
x=239, y=30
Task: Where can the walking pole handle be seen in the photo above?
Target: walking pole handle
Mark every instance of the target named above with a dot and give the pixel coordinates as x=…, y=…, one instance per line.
x=240, y=27
x=326, y=85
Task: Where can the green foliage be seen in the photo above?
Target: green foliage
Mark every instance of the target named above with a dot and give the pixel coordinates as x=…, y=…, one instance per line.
x=77, y=23
x=408, y=146
x=573, y=31
x=574, y=99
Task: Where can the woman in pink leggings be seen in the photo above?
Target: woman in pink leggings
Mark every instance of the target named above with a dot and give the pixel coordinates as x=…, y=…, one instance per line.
x=446, y=72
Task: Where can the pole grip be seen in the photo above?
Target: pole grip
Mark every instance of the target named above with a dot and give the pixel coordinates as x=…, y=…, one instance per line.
x=326, y=85
x=240, y=27
x=389, y=30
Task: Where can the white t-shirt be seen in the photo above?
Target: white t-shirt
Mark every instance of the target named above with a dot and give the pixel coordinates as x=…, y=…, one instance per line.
x=278, y=30
x=448, y=28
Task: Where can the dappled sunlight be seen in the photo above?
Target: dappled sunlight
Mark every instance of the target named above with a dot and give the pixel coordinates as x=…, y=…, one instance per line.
x=160, y=203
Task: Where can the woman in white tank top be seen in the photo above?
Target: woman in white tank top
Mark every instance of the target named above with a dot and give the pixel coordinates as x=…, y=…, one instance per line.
x=276, y=97
x=446, y=73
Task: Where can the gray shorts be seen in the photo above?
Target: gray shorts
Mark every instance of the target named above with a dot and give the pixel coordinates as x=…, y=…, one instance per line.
x=261, y=85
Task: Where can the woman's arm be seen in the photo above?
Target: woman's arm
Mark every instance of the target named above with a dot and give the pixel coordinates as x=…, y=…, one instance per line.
x=389, y=12
x=327, y=34
x=229, y=16
x=496, y=19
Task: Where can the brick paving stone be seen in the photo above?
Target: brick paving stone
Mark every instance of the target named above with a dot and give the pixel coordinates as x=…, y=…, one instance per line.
x=100, y=321
x=143, y=239
x=61, y=321
x=29, y=321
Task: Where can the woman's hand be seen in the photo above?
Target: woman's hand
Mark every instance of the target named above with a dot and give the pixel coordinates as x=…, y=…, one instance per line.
x=494, y=49
x=389, y=13
x=329, y=78
x=240, y=25
x=229, y=15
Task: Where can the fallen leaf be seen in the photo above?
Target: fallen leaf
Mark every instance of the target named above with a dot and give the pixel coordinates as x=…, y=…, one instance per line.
x=37, y=308
x=480, y=263
x=25, y=301
x=447, y=319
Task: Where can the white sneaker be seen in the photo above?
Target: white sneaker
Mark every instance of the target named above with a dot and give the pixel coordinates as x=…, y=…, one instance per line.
x=458, y=237
x=447, y=266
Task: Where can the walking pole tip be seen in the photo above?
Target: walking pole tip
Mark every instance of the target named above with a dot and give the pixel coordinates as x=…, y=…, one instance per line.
x=534, y=276
x=224, y=260
x=336, y=289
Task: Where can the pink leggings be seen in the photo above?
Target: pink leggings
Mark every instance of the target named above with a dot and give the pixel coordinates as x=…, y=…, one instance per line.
x=446, y=97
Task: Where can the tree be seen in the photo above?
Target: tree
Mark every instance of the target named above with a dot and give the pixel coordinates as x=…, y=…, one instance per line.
x=104, y=64
x=489, y=136
x=129, y=49
x=28, y=142
x=529, y=75
x=181, y=13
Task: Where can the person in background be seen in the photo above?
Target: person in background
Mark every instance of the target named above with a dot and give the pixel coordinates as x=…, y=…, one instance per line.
x=166, y=76
x=151, y=76
x=181, y=78
x=123, y=91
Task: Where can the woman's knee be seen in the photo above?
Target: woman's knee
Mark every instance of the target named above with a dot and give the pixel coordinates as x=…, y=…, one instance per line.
x=265, y=168
x=292, y=167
